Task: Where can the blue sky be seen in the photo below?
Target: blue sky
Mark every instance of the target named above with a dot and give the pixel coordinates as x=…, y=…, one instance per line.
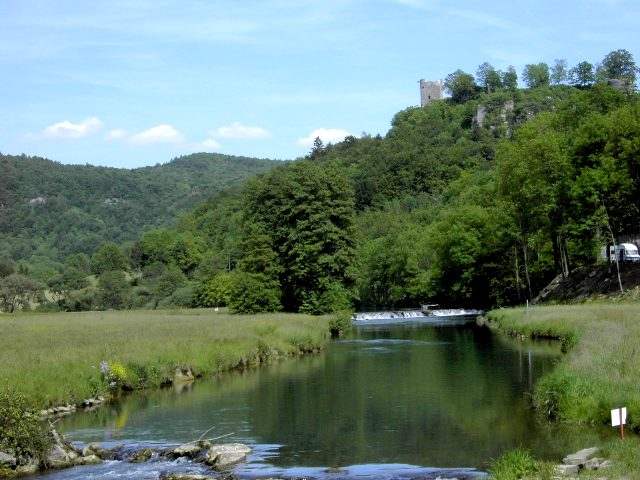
x=134, y=83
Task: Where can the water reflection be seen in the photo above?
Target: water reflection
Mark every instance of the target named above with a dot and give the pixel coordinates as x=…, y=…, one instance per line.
x=411, y=395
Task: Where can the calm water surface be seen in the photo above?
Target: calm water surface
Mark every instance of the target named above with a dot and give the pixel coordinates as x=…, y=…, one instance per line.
x=402, y=401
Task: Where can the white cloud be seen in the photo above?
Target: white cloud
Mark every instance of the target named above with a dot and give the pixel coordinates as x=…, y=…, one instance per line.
x=159, y=134
x=211, y=144
x=327, y=135
x=67, y=129
x=239, y=131
x=116, y=134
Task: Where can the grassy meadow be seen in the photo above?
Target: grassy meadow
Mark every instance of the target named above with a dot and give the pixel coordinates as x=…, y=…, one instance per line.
x=601, y=369
x=55, y=358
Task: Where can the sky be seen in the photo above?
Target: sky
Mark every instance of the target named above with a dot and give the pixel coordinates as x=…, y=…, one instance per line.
x=136, y=83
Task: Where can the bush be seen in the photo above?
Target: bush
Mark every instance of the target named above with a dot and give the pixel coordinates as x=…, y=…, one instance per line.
x=216, y=291
x=254, y=293
x=21, y=431
x=333, y=299
x=113, y=290
x=340, y=323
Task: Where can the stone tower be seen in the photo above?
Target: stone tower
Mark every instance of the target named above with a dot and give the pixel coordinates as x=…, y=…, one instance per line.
x=430, y=91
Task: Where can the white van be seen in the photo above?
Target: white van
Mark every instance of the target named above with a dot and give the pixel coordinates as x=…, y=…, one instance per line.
x=624, y=252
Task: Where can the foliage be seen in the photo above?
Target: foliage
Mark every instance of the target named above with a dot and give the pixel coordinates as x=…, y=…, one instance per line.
x=340, y=323
x=113, y=290
x=303, y=230
x=253, y=293
x=619, y=64
x=536, y=75
x=21, y=431
x=216, y=291
x=107, y=258
x=461, y=86
x=582, y=75
x=18, y=291
x=601, y=365
x=82, y=206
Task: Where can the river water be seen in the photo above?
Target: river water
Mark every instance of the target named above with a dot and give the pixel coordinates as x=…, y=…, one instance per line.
x=413, y=400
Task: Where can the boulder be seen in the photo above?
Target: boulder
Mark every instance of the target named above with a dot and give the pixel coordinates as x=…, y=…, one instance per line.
x=33, y=466
x=183, y=375
x=101, y=452
x=565, y=470
x=88, y=460
x=580, y=458
x=141, y=455
x=7, y=460
x=225, y=455
x=61, y=457
x=191, y=449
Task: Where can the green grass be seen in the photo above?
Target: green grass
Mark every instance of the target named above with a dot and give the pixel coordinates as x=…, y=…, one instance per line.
x=601, y=369
x=54, y=358
x=519, y=463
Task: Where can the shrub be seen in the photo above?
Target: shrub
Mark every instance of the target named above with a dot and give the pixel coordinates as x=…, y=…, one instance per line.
x=340, y=323
x=335, y=298
x=216, y=291
x=253, y=293
x=21, y=431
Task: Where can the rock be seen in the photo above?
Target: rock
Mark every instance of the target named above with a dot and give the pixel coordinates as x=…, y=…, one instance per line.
x=191, y=449
x=564, y=470
x=225, y=455
x=183, y=375
x=581, y=457
x=593, y=463
x=141, y=455
x=101, y=452
x=7, y=460
x=606, y=464
x=33, y=466
x=88, y=460
x=60, y=457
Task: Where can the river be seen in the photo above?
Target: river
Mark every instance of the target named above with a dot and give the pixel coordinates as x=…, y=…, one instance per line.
x=390, y=401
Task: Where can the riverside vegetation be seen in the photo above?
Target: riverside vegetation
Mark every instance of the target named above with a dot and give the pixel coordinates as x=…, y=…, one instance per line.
x=53, y=359
x=598, y=372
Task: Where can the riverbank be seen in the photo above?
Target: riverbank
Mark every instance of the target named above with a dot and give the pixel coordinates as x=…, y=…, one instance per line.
x=65, y=358
x=599, y=371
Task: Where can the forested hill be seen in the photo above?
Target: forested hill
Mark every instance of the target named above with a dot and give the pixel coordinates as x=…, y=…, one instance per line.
x=50, y=210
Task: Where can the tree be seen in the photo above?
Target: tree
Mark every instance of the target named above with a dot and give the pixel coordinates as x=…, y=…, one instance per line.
x=108, y=258
x=531, y=174
x=619, y=64
x=79, y=261
x=582, y=75
x=510, y=79
x=216, y=291
x=113, y=290
x=317, y=149
x=559, y=72
x=488, y=77
x=461, y=86
x=70, y=279
x=7, y=267
x=253, y=293
x=536, y=75
x=18, y=291
x=300, y=232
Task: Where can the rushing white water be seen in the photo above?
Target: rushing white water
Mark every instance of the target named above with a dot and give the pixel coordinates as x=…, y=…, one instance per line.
x=407, y=315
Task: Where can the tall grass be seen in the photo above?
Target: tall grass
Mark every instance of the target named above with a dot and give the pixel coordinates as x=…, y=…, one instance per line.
x=55, y=358
x=601, y=369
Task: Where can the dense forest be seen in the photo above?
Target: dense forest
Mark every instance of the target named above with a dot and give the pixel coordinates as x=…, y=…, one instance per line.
x=49, y=211
x=479, y=199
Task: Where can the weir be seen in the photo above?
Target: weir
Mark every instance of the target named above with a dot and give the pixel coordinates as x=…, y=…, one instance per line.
x=416, y=314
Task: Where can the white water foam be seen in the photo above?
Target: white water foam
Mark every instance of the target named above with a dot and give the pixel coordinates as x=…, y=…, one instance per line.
x=404, y=315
